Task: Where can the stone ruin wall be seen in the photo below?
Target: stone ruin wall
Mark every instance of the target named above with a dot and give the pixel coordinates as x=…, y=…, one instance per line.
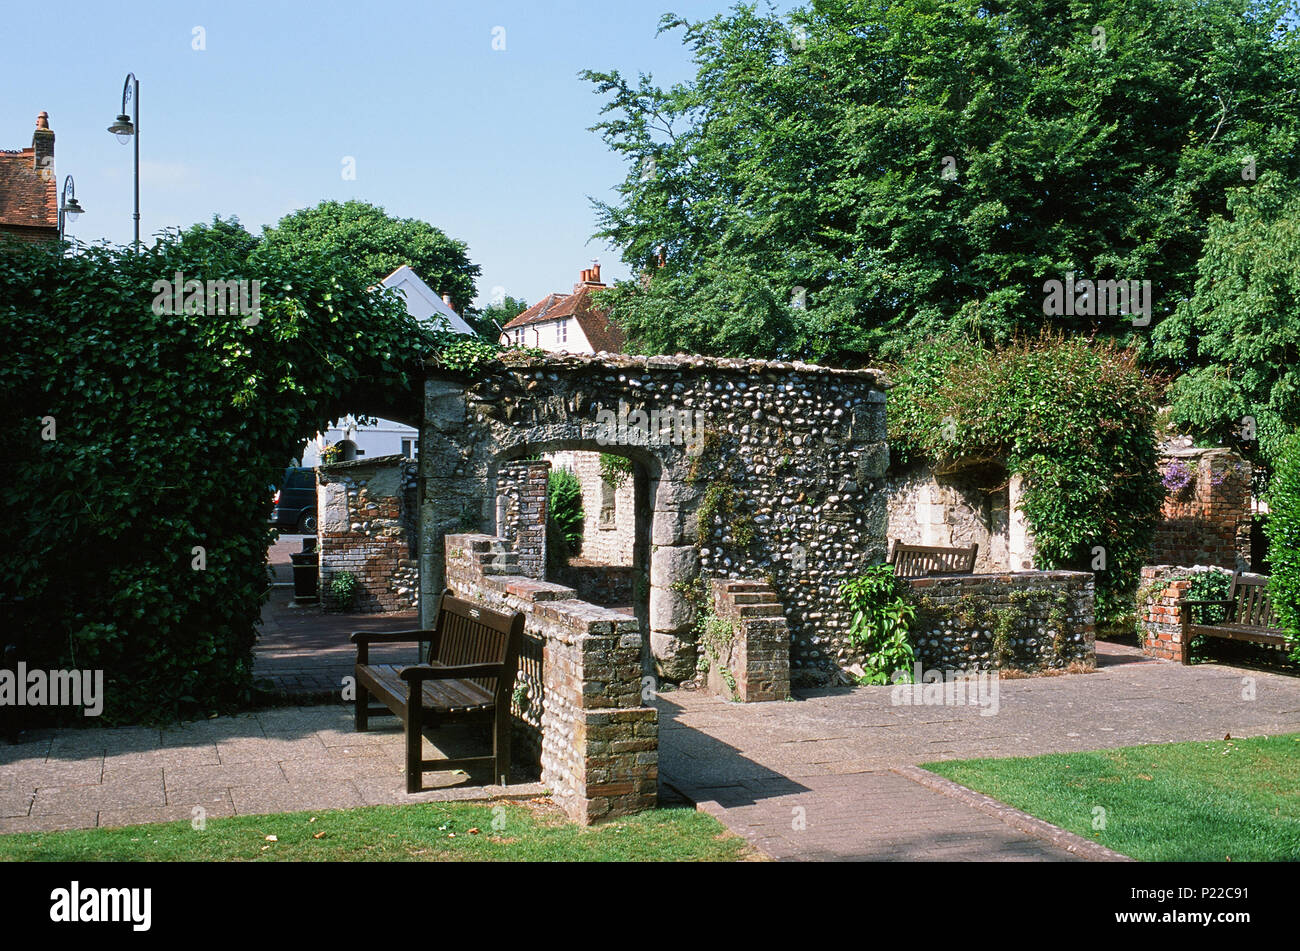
x=783, y=462
x=366, y=523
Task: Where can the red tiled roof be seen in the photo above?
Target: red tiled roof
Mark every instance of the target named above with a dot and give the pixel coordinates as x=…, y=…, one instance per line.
x=595, y=324
x=27, y=199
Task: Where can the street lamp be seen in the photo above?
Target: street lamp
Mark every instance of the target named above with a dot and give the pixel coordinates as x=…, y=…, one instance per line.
x=69, y=207
x=127, y=127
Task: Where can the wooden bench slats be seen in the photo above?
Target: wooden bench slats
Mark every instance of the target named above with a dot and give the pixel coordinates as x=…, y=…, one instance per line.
x=922, y=561
x=440, y=696
x=464, y=634
x=1250, y=609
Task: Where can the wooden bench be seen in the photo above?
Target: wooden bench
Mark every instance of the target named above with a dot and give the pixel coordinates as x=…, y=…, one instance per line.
x=468, y=675
x=1249, y=615
x=922, y=561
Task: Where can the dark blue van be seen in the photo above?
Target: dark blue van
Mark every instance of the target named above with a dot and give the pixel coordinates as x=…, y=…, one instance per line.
x=294, y=502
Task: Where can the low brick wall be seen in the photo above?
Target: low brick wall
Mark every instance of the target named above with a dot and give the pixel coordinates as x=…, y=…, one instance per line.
x=366, y=525
x=1033, y=620
x=1159, y=623
x=756, y=664
x=580, y=706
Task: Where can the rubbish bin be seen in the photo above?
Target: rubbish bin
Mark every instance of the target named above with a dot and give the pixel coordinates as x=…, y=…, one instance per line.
x=306, y=571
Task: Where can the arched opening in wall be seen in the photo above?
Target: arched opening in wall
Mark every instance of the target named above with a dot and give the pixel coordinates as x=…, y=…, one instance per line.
x=598, y=525
x=355, y=512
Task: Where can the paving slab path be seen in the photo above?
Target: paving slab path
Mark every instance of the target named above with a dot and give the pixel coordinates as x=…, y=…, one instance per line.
x=282, y=760
x=811, y=778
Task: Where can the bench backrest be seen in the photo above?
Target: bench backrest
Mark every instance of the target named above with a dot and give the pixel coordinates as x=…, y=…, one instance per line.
x=1251, y=603
x=468, y=633
x=920, y=561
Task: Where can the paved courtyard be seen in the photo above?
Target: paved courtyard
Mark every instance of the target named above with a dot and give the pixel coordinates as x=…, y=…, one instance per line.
x=282, y=760
x=807, y=779
x=811, y=778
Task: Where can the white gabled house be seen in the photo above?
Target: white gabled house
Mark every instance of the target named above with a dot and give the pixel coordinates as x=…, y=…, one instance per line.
x=386, y=437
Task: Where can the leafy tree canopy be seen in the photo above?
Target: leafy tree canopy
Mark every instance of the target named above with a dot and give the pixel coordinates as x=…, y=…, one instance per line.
x=495, y=315
x=863, y=175
x=375, y=244
x=1238, y=336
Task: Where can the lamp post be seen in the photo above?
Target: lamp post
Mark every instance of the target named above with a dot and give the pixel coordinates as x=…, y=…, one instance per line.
x=127, y=127
x=69, y=207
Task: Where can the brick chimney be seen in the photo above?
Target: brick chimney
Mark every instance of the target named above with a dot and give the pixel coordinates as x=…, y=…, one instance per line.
x=588, y=277
x=43, y=146
x=446, y=299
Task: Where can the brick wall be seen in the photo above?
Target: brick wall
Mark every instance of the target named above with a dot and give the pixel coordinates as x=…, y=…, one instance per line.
x=1206, y=508
x=582, y=712
x=756, y=665
x=1159, y=622
x=1025, y=621
x=366, y=525
x=521, y=513
x=608, y=517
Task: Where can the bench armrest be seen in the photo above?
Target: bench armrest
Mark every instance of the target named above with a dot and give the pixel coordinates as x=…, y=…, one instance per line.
x=1222, y=602
x=419, y=672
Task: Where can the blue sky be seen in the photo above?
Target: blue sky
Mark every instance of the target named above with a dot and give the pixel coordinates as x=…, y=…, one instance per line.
x=489, y=145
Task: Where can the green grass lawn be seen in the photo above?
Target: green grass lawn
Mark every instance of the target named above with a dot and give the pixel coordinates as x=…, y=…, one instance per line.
x=1171, y=802
x=436, y=832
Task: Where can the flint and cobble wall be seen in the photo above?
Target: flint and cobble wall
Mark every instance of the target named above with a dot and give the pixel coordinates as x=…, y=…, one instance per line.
x=1028, y=621
x=755, y=470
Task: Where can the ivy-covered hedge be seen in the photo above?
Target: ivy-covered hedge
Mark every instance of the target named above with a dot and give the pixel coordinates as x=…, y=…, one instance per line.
x=1283, y=528
x=1075, y=418
x=139, y=446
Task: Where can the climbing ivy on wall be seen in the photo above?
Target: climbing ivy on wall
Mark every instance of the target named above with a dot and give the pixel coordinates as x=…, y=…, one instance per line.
x=140, y=441
x=1074, y=417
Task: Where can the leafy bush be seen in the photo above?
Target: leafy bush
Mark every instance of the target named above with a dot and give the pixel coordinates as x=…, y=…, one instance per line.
x=564, y=512
x=1283, y=528
x=139, y=446
x=882, y=623
x=1075, y=418
x=344, y=588
x=615, y=469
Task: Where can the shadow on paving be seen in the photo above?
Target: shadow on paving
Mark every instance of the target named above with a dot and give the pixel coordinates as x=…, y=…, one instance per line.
x=694, y=765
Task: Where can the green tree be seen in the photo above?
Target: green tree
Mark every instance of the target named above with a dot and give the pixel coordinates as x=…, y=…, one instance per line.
x=374, y=244
x=1238, y=336
x=495, y=315
x=225, y=244
x=863, y=175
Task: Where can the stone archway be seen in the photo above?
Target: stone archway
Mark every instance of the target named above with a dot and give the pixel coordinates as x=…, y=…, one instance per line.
x=781, y=461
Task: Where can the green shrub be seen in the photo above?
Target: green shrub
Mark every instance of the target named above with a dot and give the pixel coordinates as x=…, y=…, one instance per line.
x=343, y=586
x=564, y=512
x=1075, y=418
x=882, y=623
x=615, y=469
x=1283, y=528
x=141, y=544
